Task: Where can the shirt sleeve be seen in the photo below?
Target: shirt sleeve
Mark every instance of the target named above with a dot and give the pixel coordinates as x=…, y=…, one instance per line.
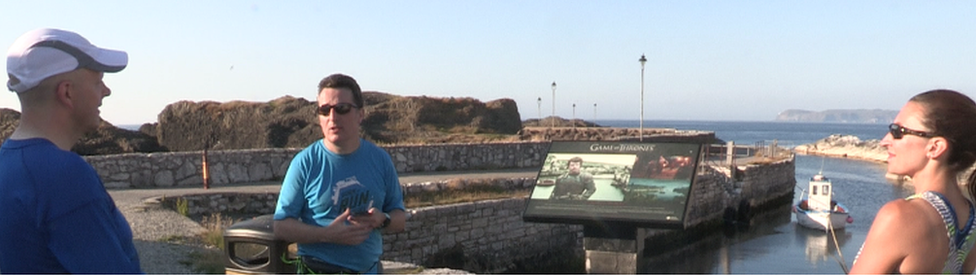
x=589, y=185
x=394, y=193
x=291, y=198
x=89, y=239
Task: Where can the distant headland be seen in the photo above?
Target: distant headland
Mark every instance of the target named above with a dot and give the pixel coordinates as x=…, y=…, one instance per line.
x=838, y=116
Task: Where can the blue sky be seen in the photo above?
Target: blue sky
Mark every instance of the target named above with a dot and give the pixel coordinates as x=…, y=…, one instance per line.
x=707, y=60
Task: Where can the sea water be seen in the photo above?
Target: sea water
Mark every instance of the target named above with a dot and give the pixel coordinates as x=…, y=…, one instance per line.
x=774, y=243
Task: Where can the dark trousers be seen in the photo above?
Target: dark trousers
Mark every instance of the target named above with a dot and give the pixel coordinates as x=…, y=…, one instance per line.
x=321, y=267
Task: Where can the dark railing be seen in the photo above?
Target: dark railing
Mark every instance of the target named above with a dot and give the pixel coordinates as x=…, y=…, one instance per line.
x=718, y=154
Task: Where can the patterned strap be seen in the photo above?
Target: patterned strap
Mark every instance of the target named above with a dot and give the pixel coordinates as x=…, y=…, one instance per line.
x=960, y=241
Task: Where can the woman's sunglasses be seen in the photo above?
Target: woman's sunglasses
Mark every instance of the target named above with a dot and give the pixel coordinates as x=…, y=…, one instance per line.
x=341, y=108
x=898, y=131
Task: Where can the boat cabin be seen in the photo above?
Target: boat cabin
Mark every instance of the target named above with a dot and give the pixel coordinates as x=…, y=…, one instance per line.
x=820, y=193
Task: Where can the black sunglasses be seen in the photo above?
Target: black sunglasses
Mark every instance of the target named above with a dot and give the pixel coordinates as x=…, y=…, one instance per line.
x=898, y=131
x=341, y=108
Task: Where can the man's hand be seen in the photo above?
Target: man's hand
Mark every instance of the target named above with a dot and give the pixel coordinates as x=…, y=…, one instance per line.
x=374, y=218
x=347, y=230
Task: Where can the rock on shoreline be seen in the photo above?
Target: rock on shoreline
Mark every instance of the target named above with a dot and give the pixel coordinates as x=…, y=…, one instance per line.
x=849, y=146
x=845, y=146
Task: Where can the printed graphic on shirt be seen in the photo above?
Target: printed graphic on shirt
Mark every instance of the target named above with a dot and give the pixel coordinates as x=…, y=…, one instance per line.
x=350, y=193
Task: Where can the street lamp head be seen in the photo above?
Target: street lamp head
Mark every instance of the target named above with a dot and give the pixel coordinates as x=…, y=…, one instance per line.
x=642, y=60
x=553, y=85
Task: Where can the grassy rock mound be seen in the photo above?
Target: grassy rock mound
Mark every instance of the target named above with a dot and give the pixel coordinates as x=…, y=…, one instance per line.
x=108, y=139
x=8, y=122
x=396, y=119
x=190, y=126
x=289, y=122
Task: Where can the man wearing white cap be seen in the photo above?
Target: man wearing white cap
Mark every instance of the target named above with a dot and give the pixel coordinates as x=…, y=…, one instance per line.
x=56, y=215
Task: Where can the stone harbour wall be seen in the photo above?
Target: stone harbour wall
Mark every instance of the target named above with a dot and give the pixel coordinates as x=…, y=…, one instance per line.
x=718, y=188
x=710, y=195
x=762, y=183
x=180, y=169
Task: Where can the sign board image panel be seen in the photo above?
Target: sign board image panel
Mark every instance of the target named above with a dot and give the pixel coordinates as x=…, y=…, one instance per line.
x=590, y=182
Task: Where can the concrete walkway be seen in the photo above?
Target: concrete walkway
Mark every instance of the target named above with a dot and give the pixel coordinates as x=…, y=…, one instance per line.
x=160, y=233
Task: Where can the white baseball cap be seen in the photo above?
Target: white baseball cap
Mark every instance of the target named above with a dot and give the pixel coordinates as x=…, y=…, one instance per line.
x=43, y=53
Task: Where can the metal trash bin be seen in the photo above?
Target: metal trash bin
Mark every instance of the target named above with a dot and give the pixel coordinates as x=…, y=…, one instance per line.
x=251, y=248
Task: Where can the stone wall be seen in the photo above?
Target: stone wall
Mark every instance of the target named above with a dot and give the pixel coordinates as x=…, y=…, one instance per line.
x=710, y=195
x=718, y=188
x=762, y=183
x=155, y=170
x=485, y=236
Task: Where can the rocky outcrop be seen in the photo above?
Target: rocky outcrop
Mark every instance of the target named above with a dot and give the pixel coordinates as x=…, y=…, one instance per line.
x=289, y=122
x=108, y=139
x=8, y=122
x=396, y=119
x=846, y=146
x=191, y=126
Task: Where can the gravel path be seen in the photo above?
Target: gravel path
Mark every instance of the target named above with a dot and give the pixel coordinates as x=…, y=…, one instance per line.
x=165, y=239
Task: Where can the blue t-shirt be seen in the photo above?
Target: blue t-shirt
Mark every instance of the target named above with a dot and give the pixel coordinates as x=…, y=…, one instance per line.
x=55, y=215
x=320, y=185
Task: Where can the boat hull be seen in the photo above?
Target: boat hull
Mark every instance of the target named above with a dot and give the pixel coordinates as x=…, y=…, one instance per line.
x=821, y=219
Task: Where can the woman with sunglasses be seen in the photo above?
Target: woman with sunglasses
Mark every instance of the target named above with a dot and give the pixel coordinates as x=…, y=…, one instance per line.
x=932, y=140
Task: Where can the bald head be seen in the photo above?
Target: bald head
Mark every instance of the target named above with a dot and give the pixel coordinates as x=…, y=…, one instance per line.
x=45, y=93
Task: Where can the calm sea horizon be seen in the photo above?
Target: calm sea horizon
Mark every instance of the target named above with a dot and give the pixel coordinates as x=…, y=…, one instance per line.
x=750, y=132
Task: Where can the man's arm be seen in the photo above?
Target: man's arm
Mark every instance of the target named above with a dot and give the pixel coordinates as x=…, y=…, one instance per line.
x=342, y=230
x=89, y=239
x=588, y=185
x=376, y=218
x=398, y=221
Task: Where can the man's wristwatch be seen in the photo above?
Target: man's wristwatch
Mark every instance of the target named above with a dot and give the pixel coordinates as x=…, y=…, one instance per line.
x=386, y=222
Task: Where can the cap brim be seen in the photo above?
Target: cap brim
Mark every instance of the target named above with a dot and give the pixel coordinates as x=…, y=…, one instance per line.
x=109, y=60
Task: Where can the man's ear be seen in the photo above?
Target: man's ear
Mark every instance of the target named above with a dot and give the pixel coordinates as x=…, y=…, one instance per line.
x=937, y=147
x=64, y=93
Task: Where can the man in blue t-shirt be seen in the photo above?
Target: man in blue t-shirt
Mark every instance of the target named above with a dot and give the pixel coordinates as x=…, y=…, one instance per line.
x=341, y=191
x=55, y=215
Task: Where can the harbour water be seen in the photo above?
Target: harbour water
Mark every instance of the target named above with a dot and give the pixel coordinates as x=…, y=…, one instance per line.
x=773, y=243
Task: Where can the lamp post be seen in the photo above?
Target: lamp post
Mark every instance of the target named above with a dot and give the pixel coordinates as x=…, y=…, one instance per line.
x=594, y=112
x=553, y=125
x=574, y=118
x=642, y=61
x=540, y=109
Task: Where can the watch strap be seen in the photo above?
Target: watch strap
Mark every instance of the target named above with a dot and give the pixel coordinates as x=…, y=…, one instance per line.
x=386, y=222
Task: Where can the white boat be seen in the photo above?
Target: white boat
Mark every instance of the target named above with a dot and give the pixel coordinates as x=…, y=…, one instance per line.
x=819, y=210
